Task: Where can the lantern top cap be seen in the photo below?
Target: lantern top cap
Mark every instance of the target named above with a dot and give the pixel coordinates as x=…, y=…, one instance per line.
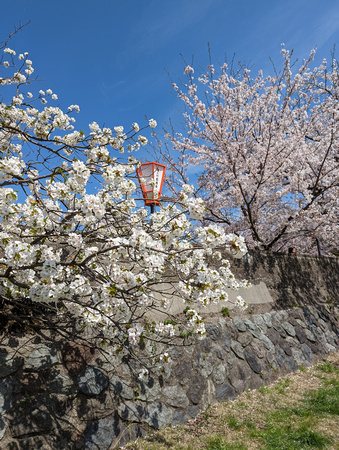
x=153, y=162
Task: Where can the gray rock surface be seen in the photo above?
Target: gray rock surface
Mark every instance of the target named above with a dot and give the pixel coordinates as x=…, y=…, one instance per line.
x=183, y=370
x=236, y=355
x=286, y=347
x=101, y=434
x=149, y=390
x=175, y=396
x=288, y=328
x=158, y=415
x=2, y=427
x=252, y=360
x=196, y=388
x=277, y=326
x=225, y=341
x=268, y=319
x=239, y=323
x=193, y=411
x=121, y=387
x=179, y=418
x=299, y=357
x=280, y=356
x=268, y=344
x=42, y=358
x=213, y=331
x=220, y=373
x=272, y=361
x=92, y=381
x=245, y=338
x=6, y=395
x=253, y=328
x=61, y=383
x=240, y=375
x=258, y=348
x=310, y=336
x=225, y=392
x=260, y=322
x=290, y=365
x=131, y=411
x=238, y=349
x=9, y=363
x=301, y=335
x=307, y=352
x=208, y=365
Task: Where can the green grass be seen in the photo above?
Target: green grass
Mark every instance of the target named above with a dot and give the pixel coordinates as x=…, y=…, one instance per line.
x=225, y=312
x=325, y=400
x=288, y=438
x=233, y=423
x=328, y=367
x=279, y=387
x=218, y=443
x=285, y=429
x=282, y=416
x=294, y=427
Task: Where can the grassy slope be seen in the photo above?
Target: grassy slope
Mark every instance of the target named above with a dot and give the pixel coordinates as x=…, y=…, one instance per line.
x=298, y=411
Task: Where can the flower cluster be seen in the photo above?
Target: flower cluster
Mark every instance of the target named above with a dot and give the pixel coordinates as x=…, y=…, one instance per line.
x=268, y=149
x=72, y=237
x=211, y=236
x=240, y=303
x=236, y=245
x=10, y=167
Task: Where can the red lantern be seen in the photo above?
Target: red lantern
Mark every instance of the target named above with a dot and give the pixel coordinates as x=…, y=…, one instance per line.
x=151, y=178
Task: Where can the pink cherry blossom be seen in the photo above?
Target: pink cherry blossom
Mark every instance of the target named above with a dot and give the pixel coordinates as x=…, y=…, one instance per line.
x=269, y=151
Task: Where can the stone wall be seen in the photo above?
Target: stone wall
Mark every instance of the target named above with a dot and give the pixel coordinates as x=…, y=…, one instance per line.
x=279, y=281
x=292, y=279
x=66, y=396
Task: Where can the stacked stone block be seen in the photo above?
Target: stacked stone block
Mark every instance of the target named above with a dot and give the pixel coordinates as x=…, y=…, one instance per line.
x=66, y=396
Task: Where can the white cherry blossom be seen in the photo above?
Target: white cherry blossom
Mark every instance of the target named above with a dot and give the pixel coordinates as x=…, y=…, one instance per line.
x=74, y=237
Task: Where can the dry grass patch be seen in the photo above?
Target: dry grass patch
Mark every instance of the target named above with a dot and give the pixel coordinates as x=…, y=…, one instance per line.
x=298, y=411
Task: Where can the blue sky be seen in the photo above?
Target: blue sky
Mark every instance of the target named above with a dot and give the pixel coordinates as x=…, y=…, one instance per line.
x=108, y=56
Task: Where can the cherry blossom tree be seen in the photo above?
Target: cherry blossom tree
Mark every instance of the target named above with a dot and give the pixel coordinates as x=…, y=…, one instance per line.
x=268, y=146
x=75, y=246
